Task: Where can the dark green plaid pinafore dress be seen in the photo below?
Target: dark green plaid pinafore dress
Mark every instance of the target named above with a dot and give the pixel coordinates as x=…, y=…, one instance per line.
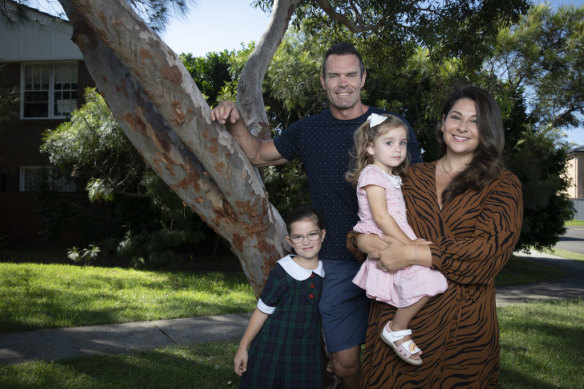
x=287, y=351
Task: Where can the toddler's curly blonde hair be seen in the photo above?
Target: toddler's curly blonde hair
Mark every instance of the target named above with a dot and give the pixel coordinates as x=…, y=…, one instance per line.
x=366, y=135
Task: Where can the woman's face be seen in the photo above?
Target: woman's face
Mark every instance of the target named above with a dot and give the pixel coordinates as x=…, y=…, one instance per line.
x=459, y=128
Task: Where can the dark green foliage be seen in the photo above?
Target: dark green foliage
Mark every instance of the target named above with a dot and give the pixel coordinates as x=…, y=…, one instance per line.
x=540, y=164
x=458, y=28
x=8, y=108
x=544, y=54
x=408, y=79
x=132, y=212
x=287, y=185
x=210, y=73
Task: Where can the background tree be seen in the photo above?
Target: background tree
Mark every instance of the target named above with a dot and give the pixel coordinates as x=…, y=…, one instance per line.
x=211, y=73
x=137, y=215
x=543, y=56
x=165, y=117
x=417, y=87
x=539, y=61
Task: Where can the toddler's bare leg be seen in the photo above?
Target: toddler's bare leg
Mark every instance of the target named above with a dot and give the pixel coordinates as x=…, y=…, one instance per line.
x=403, y=317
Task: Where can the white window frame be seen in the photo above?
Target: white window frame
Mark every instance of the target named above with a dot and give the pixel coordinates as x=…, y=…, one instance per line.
x=57, y=182
x=70, y=104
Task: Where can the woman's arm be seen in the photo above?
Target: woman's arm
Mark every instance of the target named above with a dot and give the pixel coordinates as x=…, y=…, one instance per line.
x=257, y=320
x=394, y=254
x=398, y=255
x=478, y=258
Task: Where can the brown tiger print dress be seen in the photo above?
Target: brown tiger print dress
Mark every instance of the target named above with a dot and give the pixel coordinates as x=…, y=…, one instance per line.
x=474, y=236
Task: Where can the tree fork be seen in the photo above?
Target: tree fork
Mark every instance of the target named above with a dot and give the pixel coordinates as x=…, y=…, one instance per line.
x=164, y=115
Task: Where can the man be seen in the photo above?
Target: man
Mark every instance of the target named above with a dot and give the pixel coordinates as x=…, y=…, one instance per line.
x=323, y=143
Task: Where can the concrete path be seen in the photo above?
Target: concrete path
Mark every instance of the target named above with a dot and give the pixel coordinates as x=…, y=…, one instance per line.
x=571, y=286
x=17, y=347
x=572, y=240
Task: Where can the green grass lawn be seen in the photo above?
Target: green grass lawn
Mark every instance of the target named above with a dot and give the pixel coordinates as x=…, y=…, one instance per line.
x=34, y=296
x=541, y=347
x=575, y=223
x=201, y=366
x=540, y=343
x=566, y=254
x=521, y=270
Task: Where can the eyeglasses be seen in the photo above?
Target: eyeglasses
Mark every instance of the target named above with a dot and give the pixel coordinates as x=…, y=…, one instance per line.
x=312, y=236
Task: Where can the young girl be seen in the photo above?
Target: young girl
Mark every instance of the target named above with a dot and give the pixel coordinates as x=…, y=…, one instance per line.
x=380, y=158
x=284, y=329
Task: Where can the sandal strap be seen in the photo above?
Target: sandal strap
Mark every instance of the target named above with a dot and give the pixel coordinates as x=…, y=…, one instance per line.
x=397, y=335
x=410, y=347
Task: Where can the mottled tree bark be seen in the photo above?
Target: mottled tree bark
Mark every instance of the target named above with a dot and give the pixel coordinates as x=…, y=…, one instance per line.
x=165, y=117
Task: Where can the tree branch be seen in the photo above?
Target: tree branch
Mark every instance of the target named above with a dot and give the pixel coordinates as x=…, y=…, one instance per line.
x=250, y=99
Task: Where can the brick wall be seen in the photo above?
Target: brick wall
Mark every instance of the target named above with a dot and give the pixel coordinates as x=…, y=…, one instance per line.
x=20, y=142
x=21, y=224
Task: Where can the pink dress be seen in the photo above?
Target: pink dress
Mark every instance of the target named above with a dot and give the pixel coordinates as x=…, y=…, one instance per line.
x=406, y=286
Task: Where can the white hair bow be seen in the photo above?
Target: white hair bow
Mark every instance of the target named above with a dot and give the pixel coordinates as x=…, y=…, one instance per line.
x=375, y=119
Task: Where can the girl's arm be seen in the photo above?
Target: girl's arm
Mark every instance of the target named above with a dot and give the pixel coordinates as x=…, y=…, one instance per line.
x=378, y=204
x=257, y=320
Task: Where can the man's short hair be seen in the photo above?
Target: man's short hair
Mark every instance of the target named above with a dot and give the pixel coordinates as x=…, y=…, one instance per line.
x=343, y=48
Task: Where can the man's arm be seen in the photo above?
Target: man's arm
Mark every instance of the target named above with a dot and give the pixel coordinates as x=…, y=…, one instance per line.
x=259, y=152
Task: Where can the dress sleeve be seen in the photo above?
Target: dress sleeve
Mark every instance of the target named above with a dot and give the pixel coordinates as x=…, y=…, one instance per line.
x=353, y=248
x=480, y=257
x=371, y=176
x=273, y=290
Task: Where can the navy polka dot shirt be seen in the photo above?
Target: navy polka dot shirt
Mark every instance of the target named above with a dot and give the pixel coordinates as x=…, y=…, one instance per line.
x=323, y=144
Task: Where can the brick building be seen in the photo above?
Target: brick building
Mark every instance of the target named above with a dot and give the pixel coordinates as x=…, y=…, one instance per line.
x=44, y=70
x=575, y=172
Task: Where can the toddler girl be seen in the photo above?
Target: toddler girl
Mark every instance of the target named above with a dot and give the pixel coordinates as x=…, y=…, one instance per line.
x=380, y=158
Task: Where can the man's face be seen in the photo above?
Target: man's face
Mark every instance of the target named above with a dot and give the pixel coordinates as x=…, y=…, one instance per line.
x=343, y=82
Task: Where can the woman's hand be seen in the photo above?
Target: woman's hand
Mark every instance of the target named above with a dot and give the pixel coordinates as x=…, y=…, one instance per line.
x=398, y=255
x=394, y=256
x=371, y=245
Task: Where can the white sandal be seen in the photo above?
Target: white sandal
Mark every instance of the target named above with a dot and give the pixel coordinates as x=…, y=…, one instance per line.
x=404, y=350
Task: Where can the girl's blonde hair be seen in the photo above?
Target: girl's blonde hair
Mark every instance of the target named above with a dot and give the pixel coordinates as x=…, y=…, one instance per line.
x=366, y=135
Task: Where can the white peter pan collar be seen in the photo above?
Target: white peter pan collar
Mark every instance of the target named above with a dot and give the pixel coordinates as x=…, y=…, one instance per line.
x=298, y=272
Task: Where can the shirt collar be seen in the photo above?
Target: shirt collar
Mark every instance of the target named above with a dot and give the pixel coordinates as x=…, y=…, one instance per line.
x=298, y=272
x=394, y=180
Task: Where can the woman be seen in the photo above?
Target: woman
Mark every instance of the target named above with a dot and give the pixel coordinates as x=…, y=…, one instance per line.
x=471, y=209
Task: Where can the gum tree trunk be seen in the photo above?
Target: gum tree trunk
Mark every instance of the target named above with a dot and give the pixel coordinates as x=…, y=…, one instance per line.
x=165, y=117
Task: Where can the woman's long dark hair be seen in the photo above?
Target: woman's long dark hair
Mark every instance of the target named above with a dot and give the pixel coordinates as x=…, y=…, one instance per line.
x=487, y=163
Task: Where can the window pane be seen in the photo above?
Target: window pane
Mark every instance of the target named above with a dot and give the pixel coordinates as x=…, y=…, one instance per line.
x=65, y=86
x=36, y=104
x=36, y=90
x=34, y=178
